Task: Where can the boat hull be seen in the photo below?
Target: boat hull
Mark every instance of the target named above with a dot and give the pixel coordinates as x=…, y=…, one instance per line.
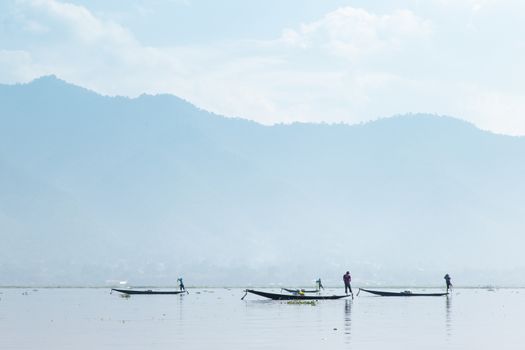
x=402, y=294
x=276, y=296
x=148, y=292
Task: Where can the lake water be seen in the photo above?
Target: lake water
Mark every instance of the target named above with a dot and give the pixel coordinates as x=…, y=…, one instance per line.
x=94, y=319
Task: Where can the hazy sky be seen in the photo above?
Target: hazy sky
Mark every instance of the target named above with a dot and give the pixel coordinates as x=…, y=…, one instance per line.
x=281, y=61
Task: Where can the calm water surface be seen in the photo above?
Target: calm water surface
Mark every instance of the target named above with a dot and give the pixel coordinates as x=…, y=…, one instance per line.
x=217, y=319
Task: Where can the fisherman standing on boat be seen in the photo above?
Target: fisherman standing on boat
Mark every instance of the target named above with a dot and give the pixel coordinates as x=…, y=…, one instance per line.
x=319, y=284
x=447, y=280
x=347, y=279
x=181, y=284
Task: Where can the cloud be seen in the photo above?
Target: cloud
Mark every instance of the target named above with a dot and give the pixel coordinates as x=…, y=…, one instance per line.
x=80, y=22
x=353, y=32
x=99, y=54
x=501, y=112
x=18, y=66
x=350, y=65
x=473, y=5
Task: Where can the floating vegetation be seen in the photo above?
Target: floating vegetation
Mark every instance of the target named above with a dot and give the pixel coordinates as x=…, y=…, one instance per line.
x=302, y=302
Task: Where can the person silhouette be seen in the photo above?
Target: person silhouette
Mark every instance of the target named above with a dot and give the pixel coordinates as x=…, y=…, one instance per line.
x=347, y=279
x=181, y=284
x=319, y=284
x=447, y=280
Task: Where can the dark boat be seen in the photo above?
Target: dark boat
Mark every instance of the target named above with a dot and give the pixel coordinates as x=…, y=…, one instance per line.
x=405, y=293
x=148, y=292
x=276, y=296
x=296, y=291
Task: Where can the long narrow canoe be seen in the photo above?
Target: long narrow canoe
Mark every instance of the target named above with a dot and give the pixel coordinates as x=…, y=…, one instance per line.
x=148, y=292
x=402, y=294
x=276, y=296
x=300, y=290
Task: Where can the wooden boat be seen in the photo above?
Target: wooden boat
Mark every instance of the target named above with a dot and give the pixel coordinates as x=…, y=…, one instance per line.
x=147, y=292
x=405, y=293
x=297, y=291
x=276, y=296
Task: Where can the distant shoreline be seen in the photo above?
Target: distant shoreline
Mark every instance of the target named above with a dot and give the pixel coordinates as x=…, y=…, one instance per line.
x=265, y=287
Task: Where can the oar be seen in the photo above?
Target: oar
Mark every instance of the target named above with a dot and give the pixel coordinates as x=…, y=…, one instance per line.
x=359, y=291
x=245, y=294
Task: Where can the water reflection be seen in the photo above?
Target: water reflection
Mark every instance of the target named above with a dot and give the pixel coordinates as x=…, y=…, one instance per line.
x=348, y=321
x=448, y=316
x=181, y=308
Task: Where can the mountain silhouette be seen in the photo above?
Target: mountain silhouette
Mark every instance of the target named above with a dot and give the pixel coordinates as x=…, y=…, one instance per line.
x=96, y=188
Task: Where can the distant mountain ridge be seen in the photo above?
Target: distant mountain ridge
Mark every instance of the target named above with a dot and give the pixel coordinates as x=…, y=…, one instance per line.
x=96, y=188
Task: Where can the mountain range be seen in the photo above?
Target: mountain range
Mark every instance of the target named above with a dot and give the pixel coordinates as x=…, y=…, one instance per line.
x=97, y=188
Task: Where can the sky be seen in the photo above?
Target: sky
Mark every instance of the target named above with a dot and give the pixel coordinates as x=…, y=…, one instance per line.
x=283, y=61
